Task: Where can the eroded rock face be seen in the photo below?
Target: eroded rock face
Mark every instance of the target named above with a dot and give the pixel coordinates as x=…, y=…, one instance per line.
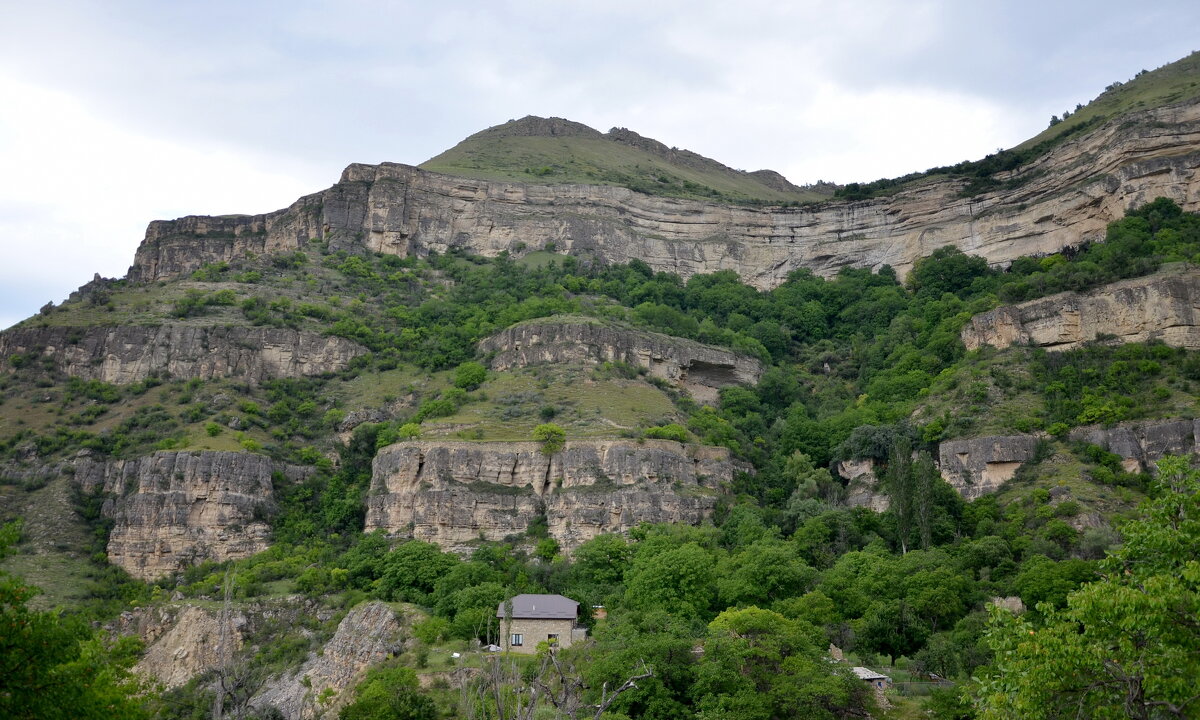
x=131, y=353
x=1162, y=306
x=455, y=493
x=175, y=509
x=702, y=370
x=862, y=484
x=1070, y=195
x=979, y=466
x=1141, y=445
x=183, y=642
x=369, y=634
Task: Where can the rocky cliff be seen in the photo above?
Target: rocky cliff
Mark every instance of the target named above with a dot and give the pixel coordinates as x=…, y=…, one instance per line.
x=702, y=370
x=979, y=466
x=174, y=509
x=862, y=484
x=1063, y=198
x=455, y=493
x=131, y=353
x=183, y=641
x=1143, y=444
x=369, y=634
x=1163, y=306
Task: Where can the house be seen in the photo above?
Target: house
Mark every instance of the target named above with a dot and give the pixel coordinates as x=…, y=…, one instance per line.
x=539, y=618
x=876, y=680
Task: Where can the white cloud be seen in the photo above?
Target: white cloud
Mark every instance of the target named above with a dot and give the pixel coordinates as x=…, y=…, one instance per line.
x=78, y=191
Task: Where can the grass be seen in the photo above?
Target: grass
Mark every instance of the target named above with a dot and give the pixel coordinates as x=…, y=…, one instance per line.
x=600, y=160
x=539, y=259
x=1172, y=83
x=61, y=576
x=379, y=388
x=585, y=407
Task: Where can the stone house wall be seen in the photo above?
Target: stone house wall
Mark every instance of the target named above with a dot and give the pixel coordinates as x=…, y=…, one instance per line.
x=534, y=631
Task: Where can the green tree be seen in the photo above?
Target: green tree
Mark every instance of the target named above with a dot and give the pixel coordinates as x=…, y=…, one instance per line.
x=679, y=580
x=1125, y=645
x=389, y=693
x=759, y=665
x=551, y=436
x=469, y=375
x=53, y=666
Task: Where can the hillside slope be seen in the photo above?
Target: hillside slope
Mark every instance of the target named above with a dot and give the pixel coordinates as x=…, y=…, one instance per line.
x=558, y=151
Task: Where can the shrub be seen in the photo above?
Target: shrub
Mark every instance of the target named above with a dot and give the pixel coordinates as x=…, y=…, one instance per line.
x=469, y=375
x=671, y=431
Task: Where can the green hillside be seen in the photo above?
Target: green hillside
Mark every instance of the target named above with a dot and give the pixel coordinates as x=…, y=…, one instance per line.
x=553, y=150
x=1176, y=82
x=1173, y=83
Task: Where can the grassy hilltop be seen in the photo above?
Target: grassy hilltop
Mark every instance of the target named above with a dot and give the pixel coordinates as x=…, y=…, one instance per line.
x=553, y=150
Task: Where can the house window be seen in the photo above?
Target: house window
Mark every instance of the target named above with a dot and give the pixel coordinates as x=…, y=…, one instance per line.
x=517, y=640
x=552, y=638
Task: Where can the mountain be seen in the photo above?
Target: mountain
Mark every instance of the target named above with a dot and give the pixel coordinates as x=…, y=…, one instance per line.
x=557, y=151
x=302, y=457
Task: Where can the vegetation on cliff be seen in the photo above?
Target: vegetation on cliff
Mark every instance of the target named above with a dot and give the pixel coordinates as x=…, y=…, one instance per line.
x=858, y=366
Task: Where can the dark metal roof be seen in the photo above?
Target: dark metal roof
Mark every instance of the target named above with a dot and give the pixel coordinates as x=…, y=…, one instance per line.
x=545, y=607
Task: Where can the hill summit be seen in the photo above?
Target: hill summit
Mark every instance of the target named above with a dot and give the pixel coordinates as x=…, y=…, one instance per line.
x=560, y=151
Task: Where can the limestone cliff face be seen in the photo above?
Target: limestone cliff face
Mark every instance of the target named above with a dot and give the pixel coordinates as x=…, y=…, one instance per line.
x=131, y=353
x=369, y=634
x=702, y=370
x=1069, y=196
x=979, y=466
x=1163, y=306
x=454, y=493
x=1141, y=445
x=175, y=509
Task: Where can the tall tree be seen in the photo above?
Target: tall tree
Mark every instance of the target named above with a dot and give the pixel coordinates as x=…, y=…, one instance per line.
x=1124, y=646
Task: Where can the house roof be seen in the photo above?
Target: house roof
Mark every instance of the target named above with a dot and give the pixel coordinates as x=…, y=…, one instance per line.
x=868, y=674
x=543, y=607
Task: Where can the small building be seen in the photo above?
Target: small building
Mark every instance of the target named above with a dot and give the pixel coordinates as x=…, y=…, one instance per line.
x=539, y=618
x=879, y=681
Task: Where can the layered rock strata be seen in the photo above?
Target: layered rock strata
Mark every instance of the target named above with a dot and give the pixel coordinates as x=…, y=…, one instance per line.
x=369, y=634
x=979, y=466
x=702, y=370
x=1164, y=306
x=456, y=493
x=132, y=353
x=1063, y=198
x=175, y=509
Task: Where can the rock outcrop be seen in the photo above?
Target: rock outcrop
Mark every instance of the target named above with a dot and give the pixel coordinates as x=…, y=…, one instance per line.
x=702, y=370
x=132, y=353
x=369, y=634
x=979, y=466
x=456, y=493
x=1164, y=306
x=862, y=484
x=175, y=509
x=1141, y=445
x=182, y=642
x=1063, y=198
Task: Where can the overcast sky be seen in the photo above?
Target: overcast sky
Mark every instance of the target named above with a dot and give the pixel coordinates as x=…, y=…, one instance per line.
x=114, y=113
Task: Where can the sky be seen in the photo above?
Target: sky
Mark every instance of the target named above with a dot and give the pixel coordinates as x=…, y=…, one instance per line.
x=114, y=113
